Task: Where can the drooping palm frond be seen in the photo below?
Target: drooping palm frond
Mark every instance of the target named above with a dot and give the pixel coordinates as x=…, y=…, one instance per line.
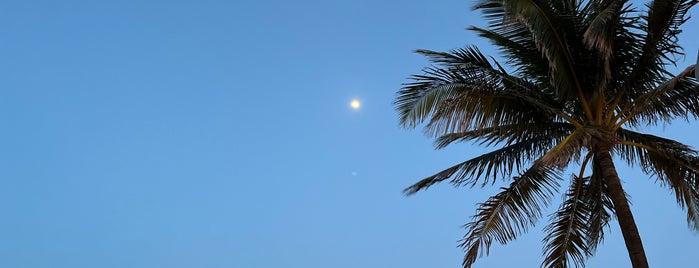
x=577, y=228
x=678, y=97
x=509, y=213
x=675, y=164
x=682, y=181
x=565, y=7
x=634, y=147
x=565, y=240
x=488, y=167
x=471, y=58
x=660, y=45
x=600, y=206
x=557, y=146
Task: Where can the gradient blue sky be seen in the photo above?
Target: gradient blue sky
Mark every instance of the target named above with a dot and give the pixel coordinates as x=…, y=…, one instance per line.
x=219, y=134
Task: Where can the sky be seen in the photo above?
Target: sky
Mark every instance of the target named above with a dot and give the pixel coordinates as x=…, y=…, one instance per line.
x=220, y=134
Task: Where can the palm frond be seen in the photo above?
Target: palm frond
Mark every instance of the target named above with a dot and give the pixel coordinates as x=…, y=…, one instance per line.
x=600, y=35
x=634, y=147
x=678, y=97
x=565, y=241
x=507, y=134
x=510, y=212
x=674, y=164
x=470, y=57
x=682, y=181
x=463, y=76
x=600, y=206
x=484, y=109
x=577, y=228
x=467, y=92
x=488, y=167
x=421, y=99
x=549, y=38
x=517, y=47
x=663, y=25
x=600, y=31
x=660, y=44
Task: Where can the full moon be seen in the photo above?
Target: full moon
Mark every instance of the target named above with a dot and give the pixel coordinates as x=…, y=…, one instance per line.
x=355, y=104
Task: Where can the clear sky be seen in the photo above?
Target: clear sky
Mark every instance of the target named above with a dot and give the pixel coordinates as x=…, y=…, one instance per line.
x=219, y=134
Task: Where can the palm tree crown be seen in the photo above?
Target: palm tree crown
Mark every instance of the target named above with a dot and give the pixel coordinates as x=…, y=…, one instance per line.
x=582, y=77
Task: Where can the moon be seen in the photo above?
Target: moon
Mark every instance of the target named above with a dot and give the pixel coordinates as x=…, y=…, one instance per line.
x=355, y=104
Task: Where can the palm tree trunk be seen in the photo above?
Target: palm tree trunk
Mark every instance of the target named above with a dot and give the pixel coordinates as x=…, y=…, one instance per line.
x=623, y=211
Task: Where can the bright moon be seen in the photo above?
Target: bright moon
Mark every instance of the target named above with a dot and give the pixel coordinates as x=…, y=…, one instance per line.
x=355, y=104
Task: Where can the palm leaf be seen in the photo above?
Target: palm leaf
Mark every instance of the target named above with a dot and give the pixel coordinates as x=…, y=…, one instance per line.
x=678, y=97
x=548, y=37
x=600, y=206
x=600, y=34
x=508, y=134
x=490, y=166
x=478, y=109
x=600, y=31
x=467, y=92
x=660, y=44
x=675, y=164
x=510, y=212
x=565, y=240
x=421, y=99
x=577, y=228
x=460, y=73
x=518, y=48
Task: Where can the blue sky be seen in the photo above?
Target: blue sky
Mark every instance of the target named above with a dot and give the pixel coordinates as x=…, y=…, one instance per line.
x=219, y=134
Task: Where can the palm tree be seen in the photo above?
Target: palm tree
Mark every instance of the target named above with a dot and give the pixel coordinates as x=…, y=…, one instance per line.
x=582, y=78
